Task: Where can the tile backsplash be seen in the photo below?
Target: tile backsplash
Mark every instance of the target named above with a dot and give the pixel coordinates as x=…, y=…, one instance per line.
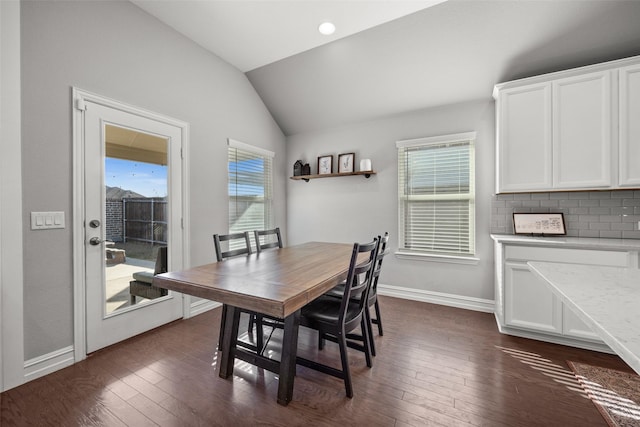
x=610, y=214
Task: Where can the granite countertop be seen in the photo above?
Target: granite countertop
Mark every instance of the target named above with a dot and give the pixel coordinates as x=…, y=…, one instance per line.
x=570, y=242
x=605, y=298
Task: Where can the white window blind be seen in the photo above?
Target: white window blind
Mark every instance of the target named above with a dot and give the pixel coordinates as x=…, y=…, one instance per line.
x=437, y=195
x=250, y=187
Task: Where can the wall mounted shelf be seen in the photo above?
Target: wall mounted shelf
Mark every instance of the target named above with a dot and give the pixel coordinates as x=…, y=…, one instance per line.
x=306, y=178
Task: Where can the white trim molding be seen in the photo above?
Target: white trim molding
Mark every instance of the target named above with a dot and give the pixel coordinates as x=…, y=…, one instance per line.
x=202, y=305
x=11, y=221
x=451, y=300
x=79, y=99
x=48, y=363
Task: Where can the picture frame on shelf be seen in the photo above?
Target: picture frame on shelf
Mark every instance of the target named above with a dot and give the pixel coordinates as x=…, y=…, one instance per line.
x=325, y=165
x=346, y=162
x=545, y=224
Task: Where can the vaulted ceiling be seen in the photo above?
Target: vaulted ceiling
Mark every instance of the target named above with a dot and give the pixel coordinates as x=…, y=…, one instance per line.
x=414, y=59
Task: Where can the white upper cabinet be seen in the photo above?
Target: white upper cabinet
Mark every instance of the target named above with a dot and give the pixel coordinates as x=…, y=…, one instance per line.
x=525, y=127
x=582, y=131
x=629, y=126
x=571, y=130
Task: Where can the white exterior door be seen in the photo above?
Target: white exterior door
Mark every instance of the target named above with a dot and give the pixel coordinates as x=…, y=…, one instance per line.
x=132, y=207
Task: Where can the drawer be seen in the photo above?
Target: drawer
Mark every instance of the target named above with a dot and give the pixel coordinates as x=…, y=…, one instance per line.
x=571, y=256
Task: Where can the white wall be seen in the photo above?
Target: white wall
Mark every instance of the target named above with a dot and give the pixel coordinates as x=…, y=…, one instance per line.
x=114, y=49
x=349, y=209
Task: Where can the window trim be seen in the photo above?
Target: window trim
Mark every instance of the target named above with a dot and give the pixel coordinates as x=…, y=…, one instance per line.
x=404, y=253
x=268, y=191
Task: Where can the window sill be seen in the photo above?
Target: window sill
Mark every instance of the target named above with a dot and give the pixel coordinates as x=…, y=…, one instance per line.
x=454, y=259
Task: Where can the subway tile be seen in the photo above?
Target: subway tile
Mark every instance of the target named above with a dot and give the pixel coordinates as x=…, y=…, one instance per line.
x=622, y=194
x=589, y=203
x=599, y=226
x=631, y=218
x=568, y=203
x=559, y=195
x=531, y=204
x=498, y=203
x=605, y=234
x=622, y=226
x=610, y=218
x=540, y=196
x=513, y=204
x=504, y=196
x=579, y=211
x=631, y=202
x=622, y=210
x=573, y=233
x=599, y=194
x=598, y=210
x=522, y=196
x=549, y=203
x=589, y=233
x=611, y=202
x=578, y=195
x=631, y=234
x=589, y=218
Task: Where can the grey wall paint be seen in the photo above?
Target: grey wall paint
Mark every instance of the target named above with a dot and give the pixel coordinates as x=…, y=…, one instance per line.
x=605, y=214
x=348, y=209
x=116, y=50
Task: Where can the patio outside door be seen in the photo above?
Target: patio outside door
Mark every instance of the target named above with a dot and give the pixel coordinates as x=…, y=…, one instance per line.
x=133, y=205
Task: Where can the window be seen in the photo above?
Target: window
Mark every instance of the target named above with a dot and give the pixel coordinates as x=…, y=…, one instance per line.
x=436, y=195
x=250, y=187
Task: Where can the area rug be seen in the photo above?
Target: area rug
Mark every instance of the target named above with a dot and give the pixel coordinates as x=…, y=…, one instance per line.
x=616, y=394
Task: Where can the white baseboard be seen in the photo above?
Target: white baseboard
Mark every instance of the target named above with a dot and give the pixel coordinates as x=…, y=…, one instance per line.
x=201, y=306
x=451, y=300
x=48, y=363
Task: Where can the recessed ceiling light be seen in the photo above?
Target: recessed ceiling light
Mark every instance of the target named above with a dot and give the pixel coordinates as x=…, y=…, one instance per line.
x=327, y=28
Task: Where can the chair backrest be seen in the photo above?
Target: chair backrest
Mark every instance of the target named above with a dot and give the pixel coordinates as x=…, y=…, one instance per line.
x=384, y=240
x=277, y=243
x=360, y=277
x=242, y=236
x=161, y=261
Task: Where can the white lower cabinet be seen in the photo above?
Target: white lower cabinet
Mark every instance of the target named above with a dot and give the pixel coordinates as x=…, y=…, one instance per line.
x=529, y=307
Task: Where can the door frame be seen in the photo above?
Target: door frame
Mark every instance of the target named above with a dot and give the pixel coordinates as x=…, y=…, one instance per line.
x=79, y=99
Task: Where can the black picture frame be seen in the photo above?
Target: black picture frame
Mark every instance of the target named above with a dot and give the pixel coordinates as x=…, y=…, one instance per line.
x=346, y=162
x=541, y=224
x=325, y=165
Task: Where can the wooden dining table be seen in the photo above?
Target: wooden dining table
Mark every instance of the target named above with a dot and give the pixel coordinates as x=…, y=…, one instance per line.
x=276, y=283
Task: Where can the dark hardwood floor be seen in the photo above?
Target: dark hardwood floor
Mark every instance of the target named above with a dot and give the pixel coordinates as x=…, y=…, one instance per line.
x=435, y=365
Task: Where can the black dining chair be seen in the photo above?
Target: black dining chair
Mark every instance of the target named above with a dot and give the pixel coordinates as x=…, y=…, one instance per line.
x=337, y=317
x=239, y=244
x=241, y=238
x=373, y=298
x=267, y=239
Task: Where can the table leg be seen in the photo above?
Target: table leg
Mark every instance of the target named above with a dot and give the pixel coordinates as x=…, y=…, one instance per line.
x=288, y=359
x=231, y=316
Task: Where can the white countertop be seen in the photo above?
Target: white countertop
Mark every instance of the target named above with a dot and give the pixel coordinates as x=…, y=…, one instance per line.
x=569, y=242
x=605, y=298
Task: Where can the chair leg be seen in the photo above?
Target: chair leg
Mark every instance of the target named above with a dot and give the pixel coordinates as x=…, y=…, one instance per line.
x=342, y=343
x=320, y=341
x=250, y=326
x=366, y=341
x=259, y=335
x=368, y=321
x=378, y=318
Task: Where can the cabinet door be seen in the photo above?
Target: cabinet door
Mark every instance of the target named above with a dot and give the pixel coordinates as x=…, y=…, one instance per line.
x=528, y=302
x=572, y=326
x=629, y=126
x=524, y=138
x=582, y=131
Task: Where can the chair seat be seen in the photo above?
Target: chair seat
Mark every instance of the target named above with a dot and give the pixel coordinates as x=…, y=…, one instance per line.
x=143, y=276
x=326, y=309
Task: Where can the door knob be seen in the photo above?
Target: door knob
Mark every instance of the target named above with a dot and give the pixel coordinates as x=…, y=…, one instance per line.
x=95, y=241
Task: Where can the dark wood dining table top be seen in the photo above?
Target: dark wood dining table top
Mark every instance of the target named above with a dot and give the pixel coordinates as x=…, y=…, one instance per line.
x=273, y=282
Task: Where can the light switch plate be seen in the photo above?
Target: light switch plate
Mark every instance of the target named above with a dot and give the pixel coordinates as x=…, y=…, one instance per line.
x=47, y=220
